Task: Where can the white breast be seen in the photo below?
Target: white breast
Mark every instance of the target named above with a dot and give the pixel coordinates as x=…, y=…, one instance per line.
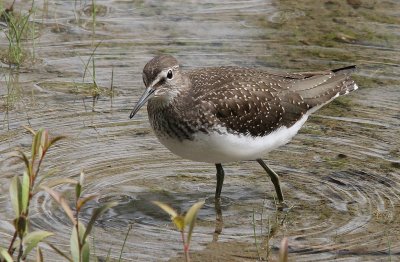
x=220, y=147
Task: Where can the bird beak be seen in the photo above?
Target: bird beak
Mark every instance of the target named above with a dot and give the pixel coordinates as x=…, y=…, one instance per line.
x=146, y=96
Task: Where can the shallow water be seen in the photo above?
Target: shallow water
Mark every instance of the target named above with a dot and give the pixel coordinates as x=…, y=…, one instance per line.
x=341, y=172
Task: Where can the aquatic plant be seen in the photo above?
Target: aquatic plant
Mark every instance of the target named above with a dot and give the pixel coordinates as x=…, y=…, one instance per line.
x=273, y=226
x=182, y=221
x=23, y=190
x=91, y=60
x=18, y=28
x=79, y=242
x=13, y=95
x=93, y=87
x=21, y=193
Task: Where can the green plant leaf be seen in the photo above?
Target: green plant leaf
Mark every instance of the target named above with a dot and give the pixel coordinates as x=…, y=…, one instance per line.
x=16, y=243
x=83, y=201
x=167, y=209
x=32, y=239
x=55, y=140
x=86, y=252
x=179, y=222
x=43, y=146
x=75, y=240
x=96, y=213
x=79, y=185
x=62, y=202
x=36, y=144
x=25, y=192
x=4, y=254
x=78, y=190
x=16, y=195
x=190, y=219
x=23, y=157
x=82, y=178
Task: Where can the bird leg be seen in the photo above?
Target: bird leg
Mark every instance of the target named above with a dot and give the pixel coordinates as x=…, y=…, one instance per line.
x=274, y=178
x=220, y=180
x=218, y=221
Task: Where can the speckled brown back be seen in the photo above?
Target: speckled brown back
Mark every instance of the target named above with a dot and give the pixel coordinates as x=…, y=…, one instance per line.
x=254, y=102
x=240, y=100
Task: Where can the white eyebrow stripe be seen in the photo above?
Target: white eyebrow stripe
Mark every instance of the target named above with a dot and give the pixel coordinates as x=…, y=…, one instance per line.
x=158, y=78
x=162, y=74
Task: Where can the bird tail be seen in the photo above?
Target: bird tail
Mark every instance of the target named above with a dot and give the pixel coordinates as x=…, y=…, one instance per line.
x=326, y=87
x=348, y=84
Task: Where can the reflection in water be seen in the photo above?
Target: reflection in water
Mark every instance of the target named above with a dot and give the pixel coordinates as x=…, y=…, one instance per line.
x=341, y=173
x=219, y=221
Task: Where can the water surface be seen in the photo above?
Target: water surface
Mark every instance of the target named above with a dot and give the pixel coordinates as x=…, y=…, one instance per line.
x=341, y=173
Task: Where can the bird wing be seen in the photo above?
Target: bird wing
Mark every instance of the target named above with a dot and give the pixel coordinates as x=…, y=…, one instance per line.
x=256, y=102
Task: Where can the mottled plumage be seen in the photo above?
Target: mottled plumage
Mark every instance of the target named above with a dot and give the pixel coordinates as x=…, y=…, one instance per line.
x=204, y=114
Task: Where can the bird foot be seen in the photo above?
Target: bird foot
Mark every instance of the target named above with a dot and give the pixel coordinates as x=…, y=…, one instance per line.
x=283, y=206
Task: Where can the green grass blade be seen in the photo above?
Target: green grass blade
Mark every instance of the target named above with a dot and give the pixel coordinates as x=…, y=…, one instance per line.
x=123, y=245
x=167, y=209
x=87, y=64
x=31, y=240
x=16, y=195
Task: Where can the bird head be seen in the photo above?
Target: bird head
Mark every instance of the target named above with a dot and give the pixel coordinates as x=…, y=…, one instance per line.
x=162, y=79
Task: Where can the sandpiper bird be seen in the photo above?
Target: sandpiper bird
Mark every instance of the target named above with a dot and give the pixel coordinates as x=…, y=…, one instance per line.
x=225, y=114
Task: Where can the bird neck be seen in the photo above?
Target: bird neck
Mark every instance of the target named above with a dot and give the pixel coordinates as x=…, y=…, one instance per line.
x=172, y=93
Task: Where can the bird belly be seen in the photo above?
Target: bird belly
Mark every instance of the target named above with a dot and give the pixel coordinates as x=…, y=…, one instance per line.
x=220, y=147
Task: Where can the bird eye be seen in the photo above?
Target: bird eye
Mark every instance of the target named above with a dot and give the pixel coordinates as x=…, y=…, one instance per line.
x=169, y=74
